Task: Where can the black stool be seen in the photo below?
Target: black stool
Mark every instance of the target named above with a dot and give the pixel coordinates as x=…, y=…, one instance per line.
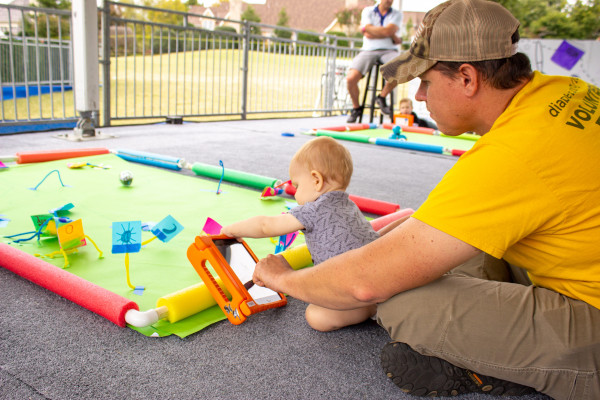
x=372, y=88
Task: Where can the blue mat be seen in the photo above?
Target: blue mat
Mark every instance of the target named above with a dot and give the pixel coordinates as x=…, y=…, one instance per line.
x=22, y=91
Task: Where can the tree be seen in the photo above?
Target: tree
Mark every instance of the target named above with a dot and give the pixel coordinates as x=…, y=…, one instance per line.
x=556, y=18
x=283, y=21
x=587, y=17
x=409, y=31
x=166, y=18
x=250, y=15
x=349, y=19
x=49, y=25
x=56, y=4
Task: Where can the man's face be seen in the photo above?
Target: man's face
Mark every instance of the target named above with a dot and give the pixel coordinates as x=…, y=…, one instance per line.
x=385, y=4
x=444, y=101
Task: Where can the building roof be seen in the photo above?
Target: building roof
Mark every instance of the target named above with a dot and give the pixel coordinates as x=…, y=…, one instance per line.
x=308, y=15
x=15, y=15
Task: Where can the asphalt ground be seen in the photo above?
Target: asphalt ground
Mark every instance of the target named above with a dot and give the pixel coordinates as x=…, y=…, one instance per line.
x=51, y=348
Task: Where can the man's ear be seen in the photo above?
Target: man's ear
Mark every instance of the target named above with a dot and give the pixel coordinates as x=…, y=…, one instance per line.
x=469, y=79
x=317, y=178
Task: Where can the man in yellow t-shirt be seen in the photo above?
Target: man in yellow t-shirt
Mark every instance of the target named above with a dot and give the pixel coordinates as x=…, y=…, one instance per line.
x=492, y=286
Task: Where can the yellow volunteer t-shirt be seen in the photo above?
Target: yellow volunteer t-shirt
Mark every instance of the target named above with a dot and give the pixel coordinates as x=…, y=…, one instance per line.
x=529, y=190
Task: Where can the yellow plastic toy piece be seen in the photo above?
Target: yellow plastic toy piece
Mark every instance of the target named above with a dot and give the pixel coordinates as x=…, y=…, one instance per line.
x=70, y=237
x=298, y=256
x=189, y=301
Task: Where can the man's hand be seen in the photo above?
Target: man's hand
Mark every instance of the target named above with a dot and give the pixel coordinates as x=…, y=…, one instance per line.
x=270, y=271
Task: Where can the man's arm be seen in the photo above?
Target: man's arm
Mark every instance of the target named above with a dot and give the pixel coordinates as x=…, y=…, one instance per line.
x=410, y=256
x=380, y=32
x=392, y=225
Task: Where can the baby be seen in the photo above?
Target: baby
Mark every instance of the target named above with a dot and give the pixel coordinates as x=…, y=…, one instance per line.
x=406, y=108
x=320, y=171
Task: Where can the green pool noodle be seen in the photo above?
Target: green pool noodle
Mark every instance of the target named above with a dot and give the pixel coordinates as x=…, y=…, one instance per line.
x=467, y=136
x=239, y=177
x=344, y=136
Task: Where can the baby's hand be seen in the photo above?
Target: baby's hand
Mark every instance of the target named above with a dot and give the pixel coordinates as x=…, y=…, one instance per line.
x=226, y=231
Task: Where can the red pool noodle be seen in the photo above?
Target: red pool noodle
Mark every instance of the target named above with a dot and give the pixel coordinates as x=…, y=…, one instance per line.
x=373, y=206
x=411, y=129
x=289, y=189
x=456, y=152
x=380, y=222
x=51, y=155
x=364, y=204
x=334, y=129
x=88, y=295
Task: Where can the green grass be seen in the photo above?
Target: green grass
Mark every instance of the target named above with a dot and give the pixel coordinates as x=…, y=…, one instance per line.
x=205, y=83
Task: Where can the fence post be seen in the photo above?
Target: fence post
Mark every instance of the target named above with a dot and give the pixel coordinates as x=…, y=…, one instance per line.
x=246, y=28
x=85, y=47
x=330, y=77
x=106, y=62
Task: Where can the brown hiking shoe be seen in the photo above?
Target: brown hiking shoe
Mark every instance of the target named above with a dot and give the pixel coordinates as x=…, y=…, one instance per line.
x=422, y=375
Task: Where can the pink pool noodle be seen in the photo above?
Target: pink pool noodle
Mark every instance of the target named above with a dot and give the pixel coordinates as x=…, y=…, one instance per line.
x=88, y=295
x=346, y=128
x=380, y=222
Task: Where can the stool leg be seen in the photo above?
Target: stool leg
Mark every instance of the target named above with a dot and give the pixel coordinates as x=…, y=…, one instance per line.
x=381, y=115
x=392, y=105
x=374, y=93
x=364, y=101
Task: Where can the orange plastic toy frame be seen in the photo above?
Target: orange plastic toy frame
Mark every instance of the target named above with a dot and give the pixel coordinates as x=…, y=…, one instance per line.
x=241, y=305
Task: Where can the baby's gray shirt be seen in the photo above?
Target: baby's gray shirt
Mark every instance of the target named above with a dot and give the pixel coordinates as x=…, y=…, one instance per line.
x=333, y=225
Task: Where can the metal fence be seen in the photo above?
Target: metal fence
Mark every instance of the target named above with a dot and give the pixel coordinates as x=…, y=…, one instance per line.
x=203, y=67
x=35, y=66
x=157, y=63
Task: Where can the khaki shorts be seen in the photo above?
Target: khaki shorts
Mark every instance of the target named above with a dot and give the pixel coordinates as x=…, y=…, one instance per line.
x=485, y=316
x=365, y=59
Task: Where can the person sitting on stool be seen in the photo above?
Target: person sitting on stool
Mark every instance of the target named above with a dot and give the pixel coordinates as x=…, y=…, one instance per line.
x=379, y=25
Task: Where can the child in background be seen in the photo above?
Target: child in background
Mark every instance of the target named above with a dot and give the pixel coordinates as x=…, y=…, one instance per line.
x=320, y=171
x=406, y=107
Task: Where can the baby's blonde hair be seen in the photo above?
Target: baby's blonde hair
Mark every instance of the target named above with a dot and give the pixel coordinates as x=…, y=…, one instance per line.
x=327, y=156
x=406, y=100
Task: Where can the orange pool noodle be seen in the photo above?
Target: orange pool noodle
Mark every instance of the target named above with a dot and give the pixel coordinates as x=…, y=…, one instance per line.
x=51, y=155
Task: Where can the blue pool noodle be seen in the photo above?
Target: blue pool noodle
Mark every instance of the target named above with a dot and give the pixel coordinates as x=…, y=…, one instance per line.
x=409, y=145
x=156, y=160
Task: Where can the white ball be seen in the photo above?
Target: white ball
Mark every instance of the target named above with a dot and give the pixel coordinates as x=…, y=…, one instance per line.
x=126, y=177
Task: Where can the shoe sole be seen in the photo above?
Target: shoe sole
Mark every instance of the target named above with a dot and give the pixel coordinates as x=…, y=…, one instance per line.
x=422, y=375
x=384, y=108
